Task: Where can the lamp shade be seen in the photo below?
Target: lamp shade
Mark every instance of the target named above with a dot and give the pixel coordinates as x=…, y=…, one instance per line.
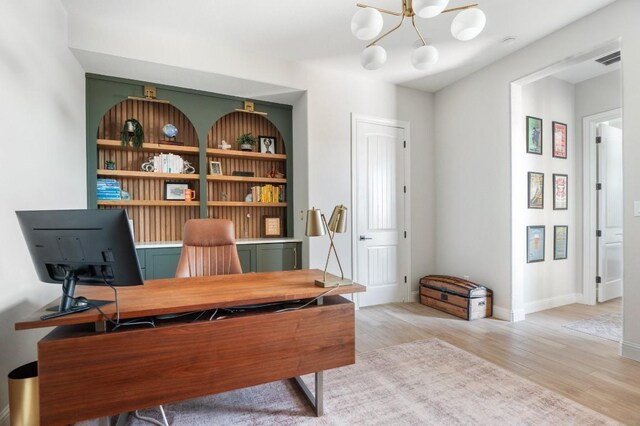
x=338, y=220
x=468, y=24
x=424, y=56
x=366, y=23
x=429, y=8
x=373, y=57
x=315, y=226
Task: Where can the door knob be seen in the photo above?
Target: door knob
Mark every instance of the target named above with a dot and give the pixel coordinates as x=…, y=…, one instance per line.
x=362, y=238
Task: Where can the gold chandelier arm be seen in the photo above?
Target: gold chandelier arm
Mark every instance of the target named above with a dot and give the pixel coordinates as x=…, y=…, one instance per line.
x=413, y=22
x=388, y=12
x=387, y=33
x=455, y=9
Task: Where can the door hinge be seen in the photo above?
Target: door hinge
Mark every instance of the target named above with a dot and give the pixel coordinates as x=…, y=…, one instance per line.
x=598, y=186
x=598, y=280
x=598, y=233
x=405, y=279
x=405, y=189
x=405, y=234
x=405, y=144
x=598, y=139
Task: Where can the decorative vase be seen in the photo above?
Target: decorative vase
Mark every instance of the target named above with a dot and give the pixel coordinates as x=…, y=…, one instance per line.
x=246, y=147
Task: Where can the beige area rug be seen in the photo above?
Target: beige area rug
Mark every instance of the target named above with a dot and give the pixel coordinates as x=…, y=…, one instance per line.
x=607, y=326
x=428, y=382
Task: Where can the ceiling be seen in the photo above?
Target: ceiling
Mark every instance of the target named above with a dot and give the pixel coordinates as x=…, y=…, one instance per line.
x=318, y=33
x=586, y=70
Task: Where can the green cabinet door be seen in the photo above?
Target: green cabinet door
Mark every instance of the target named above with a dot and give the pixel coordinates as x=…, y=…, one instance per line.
x=278, y=257
x=247, y=255
x=141, y=262
x=161, y=262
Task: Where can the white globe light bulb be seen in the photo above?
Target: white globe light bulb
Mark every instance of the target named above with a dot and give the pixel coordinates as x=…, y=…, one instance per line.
x=429, y=8
x=373, y=57
x=424, y=56
x=468, y=24
x=366, y=23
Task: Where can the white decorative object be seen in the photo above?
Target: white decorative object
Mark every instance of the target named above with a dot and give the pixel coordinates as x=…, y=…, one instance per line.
x=188, y=168
x=424, y=56
x=373, y=57
x=366, y=23
x=429, y=8
x=468, y=24
x=224, y=145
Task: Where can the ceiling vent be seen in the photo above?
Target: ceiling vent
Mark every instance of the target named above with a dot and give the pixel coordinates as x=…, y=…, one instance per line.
x=609, y=59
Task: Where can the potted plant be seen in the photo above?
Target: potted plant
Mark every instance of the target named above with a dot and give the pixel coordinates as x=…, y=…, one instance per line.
x=246, y=141
x=132, y=133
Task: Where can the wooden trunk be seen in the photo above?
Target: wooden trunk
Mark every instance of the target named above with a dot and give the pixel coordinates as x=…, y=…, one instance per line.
x=456, y=296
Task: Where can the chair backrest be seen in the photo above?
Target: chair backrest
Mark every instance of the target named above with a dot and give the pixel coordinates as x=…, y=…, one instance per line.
x=208, y=248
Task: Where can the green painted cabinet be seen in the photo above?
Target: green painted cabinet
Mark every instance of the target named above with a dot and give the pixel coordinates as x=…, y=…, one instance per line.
x=278, y=257
x=161, y=262
x=157, y=263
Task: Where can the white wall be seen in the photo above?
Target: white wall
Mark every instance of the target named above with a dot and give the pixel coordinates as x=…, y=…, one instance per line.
x=473, y=145
x=42, y=105
x=599, y=94
x=553, y=282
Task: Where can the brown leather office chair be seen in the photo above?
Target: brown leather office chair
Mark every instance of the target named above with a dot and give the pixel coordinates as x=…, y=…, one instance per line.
x=208, y=248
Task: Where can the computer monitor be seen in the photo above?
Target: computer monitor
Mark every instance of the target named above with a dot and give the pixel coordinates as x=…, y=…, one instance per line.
x=70, y=247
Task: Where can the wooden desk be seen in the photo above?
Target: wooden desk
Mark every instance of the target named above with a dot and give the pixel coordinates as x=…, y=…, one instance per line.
x=85, y=374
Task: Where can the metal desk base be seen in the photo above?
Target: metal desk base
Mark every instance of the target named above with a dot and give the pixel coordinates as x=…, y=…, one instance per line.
x=317, y=400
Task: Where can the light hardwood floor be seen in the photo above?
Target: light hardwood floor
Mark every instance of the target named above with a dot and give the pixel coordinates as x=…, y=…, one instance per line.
x=581, y=367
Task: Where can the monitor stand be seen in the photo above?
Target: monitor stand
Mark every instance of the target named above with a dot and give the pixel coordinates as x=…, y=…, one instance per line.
x=68, y=304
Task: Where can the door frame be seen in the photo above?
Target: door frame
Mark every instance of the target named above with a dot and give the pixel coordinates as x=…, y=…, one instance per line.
x=404, y=262
x=589, y=202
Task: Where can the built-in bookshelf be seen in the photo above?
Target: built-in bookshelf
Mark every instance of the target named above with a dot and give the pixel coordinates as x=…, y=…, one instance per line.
x=224, y=195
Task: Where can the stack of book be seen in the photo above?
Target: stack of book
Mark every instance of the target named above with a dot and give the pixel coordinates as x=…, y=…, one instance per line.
x=268, y=194
x=168, y=163
x=108, y=189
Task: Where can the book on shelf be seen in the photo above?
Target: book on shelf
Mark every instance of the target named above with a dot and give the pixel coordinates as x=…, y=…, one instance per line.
x=168, y=163
x=108, y=189
x=268, y=193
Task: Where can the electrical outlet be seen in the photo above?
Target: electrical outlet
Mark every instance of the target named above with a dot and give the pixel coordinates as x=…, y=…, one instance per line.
x=301, y=214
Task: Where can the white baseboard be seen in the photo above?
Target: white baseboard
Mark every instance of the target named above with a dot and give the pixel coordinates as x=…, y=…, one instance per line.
x=4, y=416
x=630, y=350
x=507, y=314
x=551, y=302
x=415, y=296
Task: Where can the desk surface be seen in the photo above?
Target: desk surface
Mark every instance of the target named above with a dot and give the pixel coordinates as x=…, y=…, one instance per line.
x=176, y=295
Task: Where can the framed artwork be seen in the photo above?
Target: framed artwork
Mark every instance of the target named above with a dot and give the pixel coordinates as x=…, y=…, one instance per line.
x=560, y=233
x=536, y=190
x=535, y=244
x=534, y=135
x=215, y=168
x=559, y=140
x=271, y=226
x=560, y=184
x=267, y=144
x=175, y=191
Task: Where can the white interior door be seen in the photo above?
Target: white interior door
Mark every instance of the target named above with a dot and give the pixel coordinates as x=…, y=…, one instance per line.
x=380, y=212
x=610, y=213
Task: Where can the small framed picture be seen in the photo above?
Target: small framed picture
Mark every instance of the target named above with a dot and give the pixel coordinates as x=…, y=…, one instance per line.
x=534, y=135
x=215, y=168
x=267, y=144
x=560, y=186
x=174, y=191
x=559, y=137
x=535, y=244
x=560, y=234
x=536, y=190
x=271, y=226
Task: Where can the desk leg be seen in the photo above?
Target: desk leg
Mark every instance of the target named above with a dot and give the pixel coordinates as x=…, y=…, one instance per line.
x=317, y=400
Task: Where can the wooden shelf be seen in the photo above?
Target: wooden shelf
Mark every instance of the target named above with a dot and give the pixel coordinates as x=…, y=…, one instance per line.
x=147, y=175
x=243, y=204
x=223, y=178
x=166, y=203
x=154, y=147
x=248, y=155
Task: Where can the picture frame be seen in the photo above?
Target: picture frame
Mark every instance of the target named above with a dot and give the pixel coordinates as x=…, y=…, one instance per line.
x=271, y=226
x=560, y=191
x=215, y=167
x=534, y=135
x=560, y=241
x=535, y=190
x=174, y=191
x=267, y=144
x=535, y=244
x=559, y=138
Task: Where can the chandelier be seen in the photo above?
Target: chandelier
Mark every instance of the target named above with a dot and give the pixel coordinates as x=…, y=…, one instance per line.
x=367, y=23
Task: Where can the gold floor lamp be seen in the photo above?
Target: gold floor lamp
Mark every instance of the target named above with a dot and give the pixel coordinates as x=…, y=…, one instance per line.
x=317, y=226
